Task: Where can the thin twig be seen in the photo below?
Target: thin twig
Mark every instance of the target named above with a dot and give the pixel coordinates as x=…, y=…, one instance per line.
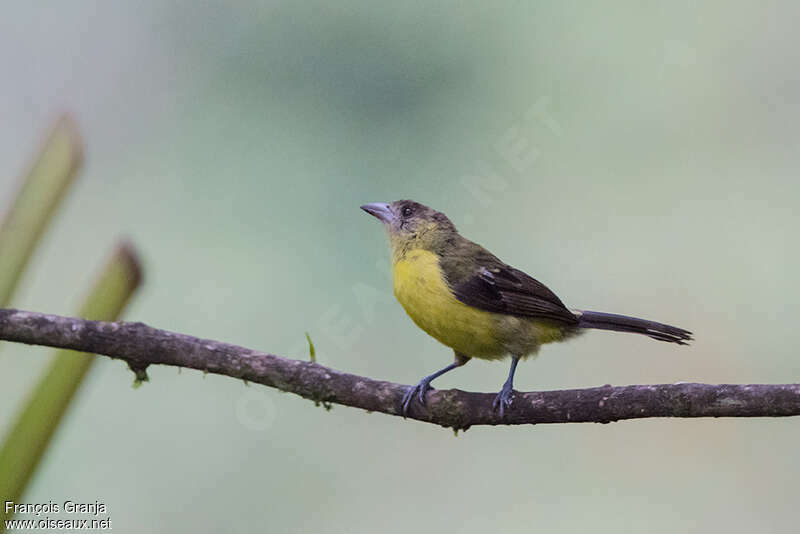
x=141, y=345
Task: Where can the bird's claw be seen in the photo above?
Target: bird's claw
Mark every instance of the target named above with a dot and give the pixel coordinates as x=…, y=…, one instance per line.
x=421, y=389
x=503, y=399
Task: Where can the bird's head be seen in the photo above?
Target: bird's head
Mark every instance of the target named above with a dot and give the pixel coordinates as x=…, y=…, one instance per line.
x=411, y=225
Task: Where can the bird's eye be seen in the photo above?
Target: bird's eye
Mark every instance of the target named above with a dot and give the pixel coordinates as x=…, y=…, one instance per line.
x=407, y=212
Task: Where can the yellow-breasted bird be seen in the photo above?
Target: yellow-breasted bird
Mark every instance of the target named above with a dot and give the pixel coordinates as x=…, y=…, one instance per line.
x=465, y=297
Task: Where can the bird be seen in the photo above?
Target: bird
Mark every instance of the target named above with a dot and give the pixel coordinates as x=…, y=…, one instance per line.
x=479, y=306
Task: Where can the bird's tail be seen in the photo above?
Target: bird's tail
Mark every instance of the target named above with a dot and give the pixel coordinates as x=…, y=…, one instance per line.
x=623, y=323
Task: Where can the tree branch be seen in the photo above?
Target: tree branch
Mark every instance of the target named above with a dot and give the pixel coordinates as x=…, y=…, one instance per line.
x=141, y=345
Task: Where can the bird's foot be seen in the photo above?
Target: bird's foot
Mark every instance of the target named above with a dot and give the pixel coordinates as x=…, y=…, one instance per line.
x=420, y=390
x=503, y=399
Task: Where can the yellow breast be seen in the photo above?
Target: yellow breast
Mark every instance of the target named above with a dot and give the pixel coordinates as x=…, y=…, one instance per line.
x=421, y=288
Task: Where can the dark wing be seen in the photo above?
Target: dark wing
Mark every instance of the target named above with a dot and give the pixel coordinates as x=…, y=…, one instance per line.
x=491, y=285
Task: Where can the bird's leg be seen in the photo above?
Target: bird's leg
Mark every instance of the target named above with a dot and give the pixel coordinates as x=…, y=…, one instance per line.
x=425, y=384
x=503, y=399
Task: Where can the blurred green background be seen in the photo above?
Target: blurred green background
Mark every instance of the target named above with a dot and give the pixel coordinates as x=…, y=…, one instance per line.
x=638, y=158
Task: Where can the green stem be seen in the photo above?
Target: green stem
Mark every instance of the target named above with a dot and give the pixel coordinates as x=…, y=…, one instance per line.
x=39, y=417
x=42, y=189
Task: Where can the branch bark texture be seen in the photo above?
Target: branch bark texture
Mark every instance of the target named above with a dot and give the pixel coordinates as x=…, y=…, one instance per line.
x=141, y=345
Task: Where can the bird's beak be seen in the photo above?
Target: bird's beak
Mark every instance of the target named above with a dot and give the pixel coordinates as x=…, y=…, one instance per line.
x=380, y=210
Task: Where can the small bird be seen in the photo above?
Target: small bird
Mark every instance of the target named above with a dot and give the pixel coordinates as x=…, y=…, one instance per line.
x=469, y=300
